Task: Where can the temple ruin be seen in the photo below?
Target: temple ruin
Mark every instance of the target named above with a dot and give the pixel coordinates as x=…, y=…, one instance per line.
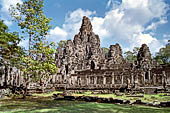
x=84, y=65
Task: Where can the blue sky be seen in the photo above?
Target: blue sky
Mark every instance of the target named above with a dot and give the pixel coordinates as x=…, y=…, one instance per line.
x=128, y=22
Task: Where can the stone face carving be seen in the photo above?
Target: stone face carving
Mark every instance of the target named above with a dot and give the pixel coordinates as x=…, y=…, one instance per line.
x=144, y=53
x=86, y=26
x=144, y=57
x=115, y=54
x=85, y=52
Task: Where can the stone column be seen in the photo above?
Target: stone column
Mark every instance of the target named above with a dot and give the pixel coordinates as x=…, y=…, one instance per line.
x=95, y=80
x=132, y=79
x=164, y=79
x=113, y=79
x=80, y=81
x=104, y=80
x=128, y=83
x=87, y=80
x=149, y=75
x=144, y=77
x=122, y=79
x=154, y=79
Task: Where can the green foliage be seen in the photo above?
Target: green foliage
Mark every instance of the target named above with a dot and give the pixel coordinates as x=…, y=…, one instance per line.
x=62, y=43
x=106, y=50
x=10, y=52
x=30, y=17
x=41, y=66
x=131, y=56
x=40, y=63
x=163, y=56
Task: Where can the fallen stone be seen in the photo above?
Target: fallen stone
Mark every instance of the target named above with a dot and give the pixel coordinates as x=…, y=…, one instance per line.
x=115, y=101
x=149, y=104
x=139, y=102
x=69, y=98
x=105, y=100
x=59, y=98
x=165, y=104
x=55, y=95
x=118, y=94
x=80, y=98
x=126, y=102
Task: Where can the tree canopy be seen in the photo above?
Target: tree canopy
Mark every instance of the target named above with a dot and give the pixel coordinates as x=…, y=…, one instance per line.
x=131, y=56
x=163, y=56
x=30, y=17
x=9, y=50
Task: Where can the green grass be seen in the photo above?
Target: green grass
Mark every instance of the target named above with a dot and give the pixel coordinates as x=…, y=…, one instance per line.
x=48, y=105
x=43, y=103
x=47, y=94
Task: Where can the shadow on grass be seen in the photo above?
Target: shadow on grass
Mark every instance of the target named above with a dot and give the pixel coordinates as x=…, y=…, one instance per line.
x=48, y=105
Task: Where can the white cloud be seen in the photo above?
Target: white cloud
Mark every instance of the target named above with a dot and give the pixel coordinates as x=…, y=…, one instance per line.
x=113, y=4
x=154, y=25
x=24, y=43
x=57, y=34
x=5, y=15
x=151, y=41
x=166, y=36
x=97, y=23
x=125, y=24
x=6, y=4
x=109, y=3
x=76, y=16
x=7, y=22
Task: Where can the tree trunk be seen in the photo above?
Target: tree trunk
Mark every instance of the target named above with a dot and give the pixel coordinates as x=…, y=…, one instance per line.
x=25, y=90
x=29, y=44
x=6, y=75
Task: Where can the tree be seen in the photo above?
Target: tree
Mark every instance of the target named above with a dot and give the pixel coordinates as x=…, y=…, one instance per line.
x=39, y=63
x=10, y=52
x=30, y=17
x=41, y=67
x=62, y=43
x=106, y=51
x=163, y=56
x=131, y=56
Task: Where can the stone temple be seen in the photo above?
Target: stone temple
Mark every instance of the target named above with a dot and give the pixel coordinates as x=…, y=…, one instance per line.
x=84, y=65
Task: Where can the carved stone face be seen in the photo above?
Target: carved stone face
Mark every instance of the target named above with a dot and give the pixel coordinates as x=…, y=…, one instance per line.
x=77, y=40
x=144, y=52
x=86, y=25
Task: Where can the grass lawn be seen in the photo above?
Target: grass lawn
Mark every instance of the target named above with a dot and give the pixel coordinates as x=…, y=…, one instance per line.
x=43, y=103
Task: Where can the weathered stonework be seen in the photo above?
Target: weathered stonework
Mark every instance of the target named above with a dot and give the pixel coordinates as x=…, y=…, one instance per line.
x=85, y=53
x=84, y=65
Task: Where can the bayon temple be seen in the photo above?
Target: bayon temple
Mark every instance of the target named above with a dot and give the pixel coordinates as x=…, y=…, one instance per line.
x=84, y=65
